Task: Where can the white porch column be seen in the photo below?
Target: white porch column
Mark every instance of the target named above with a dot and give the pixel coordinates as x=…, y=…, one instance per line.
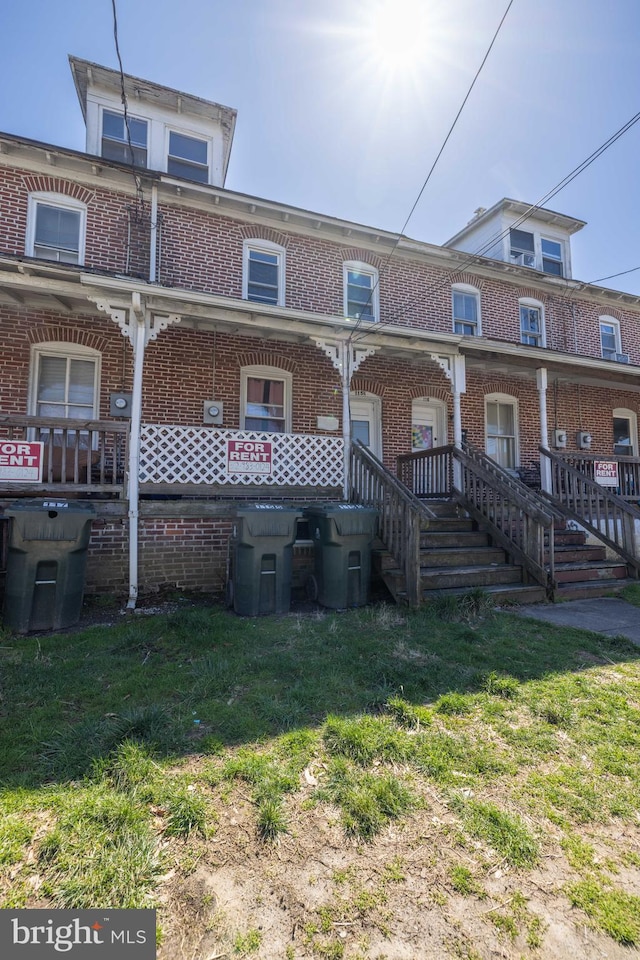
x=459, y=386
x=545, y=464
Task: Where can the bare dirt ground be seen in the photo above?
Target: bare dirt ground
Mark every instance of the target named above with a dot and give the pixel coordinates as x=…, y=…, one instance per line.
x=318, y=894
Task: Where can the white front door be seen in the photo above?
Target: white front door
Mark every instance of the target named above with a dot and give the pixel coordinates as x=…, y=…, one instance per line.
x=427, y=425
x=366, y=421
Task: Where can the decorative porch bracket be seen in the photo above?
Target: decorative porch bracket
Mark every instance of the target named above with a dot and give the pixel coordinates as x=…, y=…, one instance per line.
x=346, y=359
x=126, y=318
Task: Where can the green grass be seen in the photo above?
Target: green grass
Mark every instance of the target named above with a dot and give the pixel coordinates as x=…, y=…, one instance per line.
x=520, y=733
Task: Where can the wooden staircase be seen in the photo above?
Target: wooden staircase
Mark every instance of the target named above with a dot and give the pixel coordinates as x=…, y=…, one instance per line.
x=457, y=556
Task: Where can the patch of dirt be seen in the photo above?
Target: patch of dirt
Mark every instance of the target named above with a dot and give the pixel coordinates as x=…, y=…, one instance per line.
x=319, y=894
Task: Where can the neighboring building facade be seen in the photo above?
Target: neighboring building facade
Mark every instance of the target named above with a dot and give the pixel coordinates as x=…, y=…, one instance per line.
x=140, y=296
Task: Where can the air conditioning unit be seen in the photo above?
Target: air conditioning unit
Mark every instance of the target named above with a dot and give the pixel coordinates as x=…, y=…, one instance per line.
x=584, y=440
x=524, y=259
x=621, y=357
x=560, y=439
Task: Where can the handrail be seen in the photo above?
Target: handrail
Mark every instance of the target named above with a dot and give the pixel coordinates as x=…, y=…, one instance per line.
x=517, y=518
x=401, y=514
x=605, y=514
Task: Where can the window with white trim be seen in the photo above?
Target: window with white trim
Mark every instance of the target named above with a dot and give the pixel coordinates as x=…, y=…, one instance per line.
x=532, y=323
x=65, y=380
x=263, y=273
x=501, y=429
x=551, y=252
x=466, y=310
x=265, y=399
x=361, y=300
x=115, y=140
x=56, y=227
x=610, y=338
x=625, y=432
x=188, y=157
x=528, y=249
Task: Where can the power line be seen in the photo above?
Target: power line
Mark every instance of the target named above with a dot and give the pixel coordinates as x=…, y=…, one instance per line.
x=437, y=158
x=496, y=238
x=123, y=97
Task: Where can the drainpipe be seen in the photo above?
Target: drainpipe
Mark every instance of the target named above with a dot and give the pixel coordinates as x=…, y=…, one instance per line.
x=459, y=386
x=345, y=351
x=545, y=463
x=153, y=248
x=138, y=324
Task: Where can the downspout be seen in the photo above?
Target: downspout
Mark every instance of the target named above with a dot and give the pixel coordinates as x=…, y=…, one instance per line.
x=459, y=386
x=138, y=323
x=153, y=246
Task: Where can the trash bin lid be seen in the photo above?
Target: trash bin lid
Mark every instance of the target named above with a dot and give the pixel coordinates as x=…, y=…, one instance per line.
x=269, y=519
x=50, y=519
x=351, y=519
x=29, y=505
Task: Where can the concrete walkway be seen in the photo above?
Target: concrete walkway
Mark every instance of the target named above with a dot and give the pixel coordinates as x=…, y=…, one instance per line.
x=606, y=615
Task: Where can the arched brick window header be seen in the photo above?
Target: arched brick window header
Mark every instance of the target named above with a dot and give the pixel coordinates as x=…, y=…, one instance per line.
x=259, y=358
x=46, y=184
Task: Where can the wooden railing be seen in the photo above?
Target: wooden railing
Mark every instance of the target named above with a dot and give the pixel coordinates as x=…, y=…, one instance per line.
x=595, y=507
x=517, y=518
x=401, y=515
x=628, y=471
x=80, y=456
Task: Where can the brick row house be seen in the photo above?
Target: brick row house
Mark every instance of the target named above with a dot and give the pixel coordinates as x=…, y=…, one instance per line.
x=181, y=348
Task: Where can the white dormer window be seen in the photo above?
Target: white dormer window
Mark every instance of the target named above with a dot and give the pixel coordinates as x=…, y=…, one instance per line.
x=55, y=228
x=541, y=253
x=115, y=141
x=188, y=157
x=361, y=291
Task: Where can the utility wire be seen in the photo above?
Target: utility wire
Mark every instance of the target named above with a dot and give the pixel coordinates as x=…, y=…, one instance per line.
x=123, y=97
x=437, y=158
x=525, y=216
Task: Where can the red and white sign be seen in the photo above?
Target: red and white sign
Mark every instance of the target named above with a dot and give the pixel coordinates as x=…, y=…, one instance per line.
x=249, y=456
x=605, y=472
x=21, y=461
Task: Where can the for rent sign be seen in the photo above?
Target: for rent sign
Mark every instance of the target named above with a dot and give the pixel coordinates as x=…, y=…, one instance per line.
x=249, y=456
x=21, y=461
x=605, y=473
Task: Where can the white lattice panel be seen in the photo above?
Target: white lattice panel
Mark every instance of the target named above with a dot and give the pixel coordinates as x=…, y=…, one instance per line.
x=170, y=454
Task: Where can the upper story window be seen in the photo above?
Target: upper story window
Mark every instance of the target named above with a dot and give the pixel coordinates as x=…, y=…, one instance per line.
x=361, y=291
x=115, y=141
x=532, y=323
x=55, y=228
x=263, y=275
x=265, y=400
x=466, y=310
x=188, y=157
x=65, y=381
x=529, y=250
x=610, y=338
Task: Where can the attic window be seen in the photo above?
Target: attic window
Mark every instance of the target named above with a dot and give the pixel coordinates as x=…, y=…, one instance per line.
x=115, y=142
x=522, y=248
x=188, y=157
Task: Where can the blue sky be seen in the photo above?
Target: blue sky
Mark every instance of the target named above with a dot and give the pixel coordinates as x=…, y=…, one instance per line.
x=326, y=124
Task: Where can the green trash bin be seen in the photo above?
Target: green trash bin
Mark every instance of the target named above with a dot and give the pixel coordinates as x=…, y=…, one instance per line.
x=46, y=563
x=342, y=534
x=261, y=559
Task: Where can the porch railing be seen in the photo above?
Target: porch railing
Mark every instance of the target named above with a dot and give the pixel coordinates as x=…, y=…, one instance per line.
x=401, y=515
x=178, y=455
x=628, y=471
x=516, y=517
x=85, y=456
x=595, y=507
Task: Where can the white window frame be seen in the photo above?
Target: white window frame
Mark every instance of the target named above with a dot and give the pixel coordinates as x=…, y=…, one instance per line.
x=358, y=266
x=624, y=413
x=504, y=399
x=55, y=200
x=264, y=246
x=469, y=291
x=611, y=322
x=529, y=303
x=546, y=256
x=108, y=109
x=534, y=259
x=192, y=135
x=265, y=373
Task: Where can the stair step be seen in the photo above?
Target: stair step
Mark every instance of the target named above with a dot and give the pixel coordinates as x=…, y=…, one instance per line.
x=442, y=508
x=566, y=537
x=436, y=578
x=501, y=593
x=578, y=572
x=577, y=554
x=461, y=556
x=436, y=539
x=450, y=525
x=583, y=589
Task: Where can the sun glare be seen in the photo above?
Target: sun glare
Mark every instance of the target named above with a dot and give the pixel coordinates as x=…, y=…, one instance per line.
x=398, y=34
